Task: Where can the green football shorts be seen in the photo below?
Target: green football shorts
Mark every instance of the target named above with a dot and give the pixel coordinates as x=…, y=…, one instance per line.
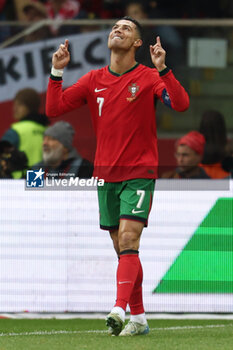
x=131, y=199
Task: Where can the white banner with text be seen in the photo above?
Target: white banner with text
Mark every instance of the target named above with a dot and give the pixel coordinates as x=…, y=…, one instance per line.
x=29, y=65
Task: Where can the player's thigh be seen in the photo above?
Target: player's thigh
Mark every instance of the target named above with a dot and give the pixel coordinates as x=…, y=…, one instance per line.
x=136, y=200
x=109, y=206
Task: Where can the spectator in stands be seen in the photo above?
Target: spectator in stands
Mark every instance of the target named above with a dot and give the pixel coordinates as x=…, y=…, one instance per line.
x=137, y=10
x=90, y=9
x=36, y=11
x=2, y=4
x=227, y=163
x=26, y=134
x=60, y=10
x=164, y=8
x=213, y=127
x=11, y=160
x=60, y=158
x=198, y=8
x=112, y=9
x=169, y=35
x=189, y=153
x=230, y=148
x=5, y=31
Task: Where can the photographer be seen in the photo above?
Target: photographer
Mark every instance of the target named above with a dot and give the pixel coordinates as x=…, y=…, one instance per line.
x=26, y=134
x=11, y=161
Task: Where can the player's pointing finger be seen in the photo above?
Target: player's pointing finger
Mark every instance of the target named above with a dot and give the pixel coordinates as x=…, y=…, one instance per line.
x=66, y=43
x=158, y=40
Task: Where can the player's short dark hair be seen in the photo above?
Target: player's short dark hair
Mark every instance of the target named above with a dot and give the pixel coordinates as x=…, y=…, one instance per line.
x=138, y=25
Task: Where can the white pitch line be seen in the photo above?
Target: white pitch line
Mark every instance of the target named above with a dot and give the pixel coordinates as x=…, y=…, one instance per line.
x=103, y=331
x=50, y=333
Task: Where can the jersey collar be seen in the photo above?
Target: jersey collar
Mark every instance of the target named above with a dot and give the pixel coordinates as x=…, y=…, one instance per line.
x=119, y=75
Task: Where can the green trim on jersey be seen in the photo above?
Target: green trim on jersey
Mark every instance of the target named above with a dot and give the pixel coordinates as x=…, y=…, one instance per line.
x=119, y=75
x=129, y=200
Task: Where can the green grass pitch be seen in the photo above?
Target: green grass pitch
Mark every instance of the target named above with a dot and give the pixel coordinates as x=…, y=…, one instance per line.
x=83, y=334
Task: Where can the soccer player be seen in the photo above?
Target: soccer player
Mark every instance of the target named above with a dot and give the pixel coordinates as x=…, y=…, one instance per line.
x=121, y=98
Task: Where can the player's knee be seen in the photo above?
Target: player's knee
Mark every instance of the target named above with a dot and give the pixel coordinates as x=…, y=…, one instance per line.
x=128, y=240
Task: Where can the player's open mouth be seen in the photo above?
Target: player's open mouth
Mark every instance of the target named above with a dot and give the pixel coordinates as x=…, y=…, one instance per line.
x=117, y=37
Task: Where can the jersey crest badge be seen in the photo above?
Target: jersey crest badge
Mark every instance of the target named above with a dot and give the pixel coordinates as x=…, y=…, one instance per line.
x=133, y=89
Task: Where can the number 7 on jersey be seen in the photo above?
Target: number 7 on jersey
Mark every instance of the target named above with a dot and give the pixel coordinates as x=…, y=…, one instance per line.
x=100, y=101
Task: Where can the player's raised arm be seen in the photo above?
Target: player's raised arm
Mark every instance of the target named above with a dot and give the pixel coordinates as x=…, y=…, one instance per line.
x=158, y=55
x=58, y=101
x=62, y=56
x=172, y=94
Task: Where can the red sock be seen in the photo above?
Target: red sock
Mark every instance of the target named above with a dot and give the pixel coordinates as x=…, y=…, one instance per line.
x=126, y=275
x=135, y=301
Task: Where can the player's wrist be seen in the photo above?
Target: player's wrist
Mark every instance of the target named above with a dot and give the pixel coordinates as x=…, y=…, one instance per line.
x=164, y=71
x=57, y=72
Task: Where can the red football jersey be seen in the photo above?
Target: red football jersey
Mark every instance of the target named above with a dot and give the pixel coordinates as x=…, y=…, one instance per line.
x=123, y=114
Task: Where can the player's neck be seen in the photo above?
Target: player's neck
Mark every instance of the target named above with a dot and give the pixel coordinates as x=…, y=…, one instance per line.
x=121, y=63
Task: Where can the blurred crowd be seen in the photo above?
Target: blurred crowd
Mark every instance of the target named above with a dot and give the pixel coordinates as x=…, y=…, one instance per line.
x=205, y=153
x=31, y=143
x=115, y=8
x=35, y=10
